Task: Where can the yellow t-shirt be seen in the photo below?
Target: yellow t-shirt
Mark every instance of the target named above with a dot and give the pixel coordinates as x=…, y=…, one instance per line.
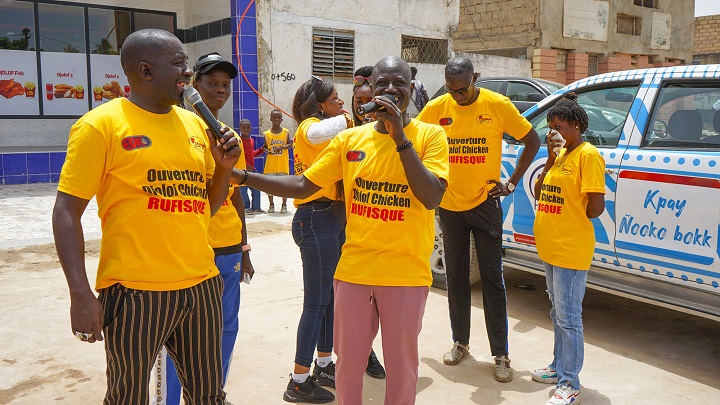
x=390, y=234
x=276, y=163
x=305, y=155
x=225, y=226
x=475, y=140
x=564, y=235
x=149, y=173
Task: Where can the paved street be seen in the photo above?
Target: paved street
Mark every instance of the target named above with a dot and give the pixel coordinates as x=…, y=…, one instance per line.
x=635, y=353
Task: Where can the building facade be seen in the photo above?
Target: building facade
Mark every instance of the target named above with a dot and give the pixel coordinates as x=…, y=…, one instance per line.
x=61, y=59
x=568, y=40
x=707, y=40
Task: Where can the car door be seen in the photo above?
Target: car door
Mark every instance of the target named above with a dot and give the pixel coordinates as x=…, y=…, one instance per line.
x=609, y=105
x=668, y=187
x=519, y=93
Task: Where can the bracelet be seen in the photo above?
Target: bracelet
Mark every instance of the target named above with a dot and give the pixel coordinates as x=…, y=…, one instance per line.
x=244, y=178
x=404, y=146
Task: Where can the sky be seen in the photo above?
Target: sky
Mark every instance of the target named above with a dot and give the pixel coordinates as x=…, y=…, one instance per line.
x=707, y=7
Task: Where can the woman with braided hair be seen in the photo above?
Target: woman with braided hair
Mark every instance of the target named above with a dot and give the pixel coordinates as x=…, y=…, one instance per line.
x=570, y=192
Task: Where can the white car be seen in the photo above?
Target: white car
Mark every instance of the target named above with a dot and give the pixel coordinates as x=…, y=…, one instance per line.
x=659, y=132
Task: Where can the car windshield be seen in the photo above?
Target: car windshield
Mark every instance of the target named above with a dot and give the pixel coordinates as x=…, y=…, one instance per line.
x=607, y=109
x=552, y=86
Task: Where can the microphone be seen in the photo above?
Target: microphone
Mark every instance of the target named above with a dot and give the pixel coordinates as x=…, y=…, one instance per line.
x=373, y=106
x=195, y=100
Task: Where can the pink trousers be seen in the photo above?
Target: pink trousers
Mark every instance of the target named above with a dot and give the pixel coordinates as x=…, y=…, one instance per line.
x=359, y=310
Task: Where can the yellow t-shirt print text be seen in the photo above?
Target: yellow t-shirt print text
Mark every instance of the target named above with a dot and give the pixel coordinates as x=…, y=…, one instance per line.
x=380, y=193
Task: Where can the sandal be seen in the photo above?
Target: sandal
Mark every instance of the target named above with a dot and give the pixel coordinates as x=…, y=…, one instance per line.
x=271, y=210
x=283, y=209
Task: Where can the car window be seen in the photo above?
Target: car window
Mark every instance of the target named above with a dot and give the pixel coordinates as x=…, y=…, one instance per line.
x=552, y=86
x=518, y=91
x=607, y=110
x=493, y=85
x=686, y=116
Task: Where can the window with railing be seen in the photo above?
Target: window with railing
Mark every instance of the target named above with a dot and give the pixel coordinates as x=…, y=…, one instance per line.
x=424, y=50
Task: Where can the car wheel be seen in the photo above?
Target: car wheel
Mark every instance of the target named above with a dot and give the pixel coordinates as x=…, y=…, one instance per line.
x=437, y=260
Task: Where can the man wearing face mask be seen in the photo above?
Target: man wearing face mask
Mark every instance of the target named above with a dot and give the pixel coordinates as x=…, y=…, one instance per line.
x=474, y=121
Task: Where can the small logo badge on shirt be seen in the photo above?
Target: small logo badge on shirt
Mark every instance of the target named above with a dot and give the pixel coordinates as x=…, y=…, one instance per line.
x=135, y=142
x=566, y=169
x=484, y=119
x=445, y=121
x=355, y=156
x=197, y=143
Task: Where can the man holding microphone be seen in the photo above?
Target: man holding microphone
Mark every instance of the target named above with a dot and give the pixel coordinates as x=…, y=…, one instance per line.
x=158, y=179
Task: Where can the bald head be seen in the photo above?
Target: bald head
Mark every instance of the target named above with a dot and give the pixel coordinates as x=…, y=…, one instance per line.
x=142, y=46
x=392, y=63
x=459, y=66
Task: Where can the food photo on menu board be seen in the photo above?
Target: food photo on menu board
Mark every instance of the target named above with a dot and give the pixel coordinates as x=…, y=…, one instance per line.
x=64, y=77
x=18, y=83
x=107, y=78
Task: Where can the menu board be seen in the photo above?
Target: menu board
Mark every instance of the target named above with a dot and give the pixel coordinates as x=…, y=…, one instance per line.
x=107, y=79
x=65, y=77
x=18, y=83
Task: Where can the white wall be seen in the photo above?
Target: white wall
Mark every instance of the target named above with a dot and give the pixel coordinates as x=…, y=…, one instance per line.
x=285, y=35
x=492, y=65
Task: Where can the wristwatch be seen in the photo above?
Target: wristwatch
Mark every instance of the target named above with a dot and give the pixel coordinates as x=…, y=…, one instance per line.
x=510, y=186
x=246, y=248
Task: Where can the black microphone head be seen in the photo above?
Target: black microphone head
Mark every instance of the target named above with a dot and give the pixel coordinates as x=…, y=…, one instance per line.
x=373, y=106
x=191, y=95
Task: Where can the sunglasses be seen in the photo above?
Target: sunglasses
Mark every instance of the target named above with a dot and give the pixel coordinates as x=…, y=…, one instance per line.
x=360, y=80
x=461, y=92
x=314, y=82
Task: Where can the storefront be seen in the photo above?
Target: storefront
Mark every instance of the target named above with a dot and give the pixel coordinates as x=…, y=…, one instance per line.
x=58, y=60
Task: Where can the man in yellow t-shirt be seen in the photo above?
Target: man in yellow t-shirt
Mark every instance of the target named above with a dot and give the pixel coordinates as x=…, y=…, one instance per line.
x=227, y=235
x=394, y=174
x=474, y=121
x=158, y=179
x=277, y=163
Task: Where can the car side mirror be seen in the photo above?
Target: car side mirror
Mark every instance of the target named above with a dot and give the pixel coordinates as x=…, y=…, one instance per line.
x=535, y=97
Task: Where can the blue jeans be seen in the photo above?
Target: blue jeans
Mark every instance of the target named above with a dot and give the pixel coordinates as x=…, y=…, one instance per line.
x=566, y=288
x=255, y=197
x=230, y=267
x=318, y=229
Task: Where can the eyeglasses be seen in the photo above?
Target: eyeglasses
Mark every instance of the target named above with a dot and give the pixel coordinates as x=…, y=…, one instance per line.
x=314, y=81
x=461, y=92
x=360, y=80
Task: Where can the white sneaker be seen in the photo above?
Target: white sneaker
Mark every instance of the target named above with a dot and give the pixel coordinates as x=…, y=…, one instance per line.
x=564, y=395
x=545, y=375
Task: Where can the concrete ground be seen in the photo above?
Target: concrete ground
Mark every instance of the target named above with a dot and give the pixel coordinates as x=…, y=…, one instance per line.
x=635, y=353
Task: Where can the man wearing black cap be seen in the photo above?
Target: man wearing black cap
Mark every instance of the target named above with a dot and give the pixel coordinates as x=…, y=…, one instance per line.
x=212, y=78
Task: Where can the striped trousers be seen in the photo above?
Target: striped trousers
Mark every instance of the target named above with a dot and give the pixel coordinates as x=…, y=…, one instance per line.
x=138, y=323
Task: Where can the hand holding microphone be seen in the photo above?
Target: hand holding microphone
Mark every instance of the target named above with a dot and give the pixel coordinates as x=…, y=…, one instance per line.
x=195, y=100
x=228, y=142
x=373, y=106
